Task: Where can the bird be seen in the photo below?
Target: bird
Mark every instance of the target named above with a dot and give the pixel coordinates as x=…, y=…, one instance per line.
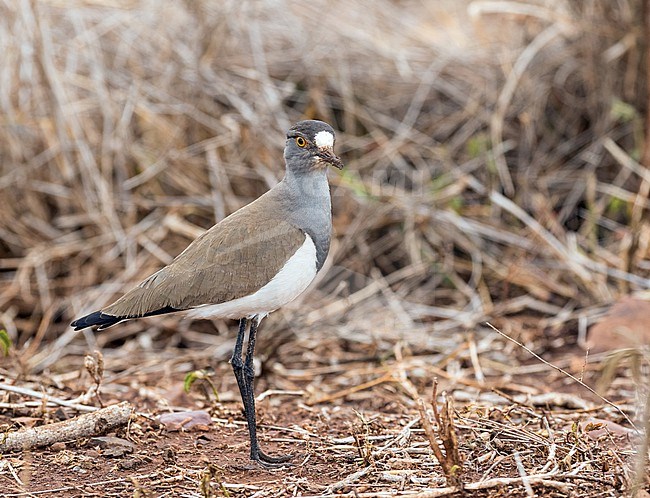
x=254, y=261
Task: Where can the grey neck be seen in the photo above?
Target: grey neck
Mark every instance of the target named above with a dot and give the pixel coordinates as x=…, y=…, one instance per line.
x=306, y=197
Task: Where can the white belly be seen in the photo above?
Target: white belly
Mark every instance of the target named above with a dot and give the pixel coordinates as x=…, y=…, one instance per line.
x=291, y=281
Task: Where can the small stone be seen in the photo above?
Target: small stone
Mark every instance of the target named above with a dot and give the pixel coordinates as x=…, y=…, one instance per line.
x=112, y=446
x=58, y=446
x=198, y=420
x=129, y=464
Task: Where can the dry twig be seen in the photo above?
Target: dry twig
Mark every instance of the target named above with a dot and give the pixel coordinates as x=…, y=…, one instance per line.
x=450, y=459
x=47, y=398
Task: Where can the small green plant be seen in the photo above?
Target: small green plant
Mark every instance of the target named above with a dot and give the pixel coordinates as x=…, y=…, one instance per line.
x=622, y=111
x=204, y=375
x=456, y=204
x=5, y=342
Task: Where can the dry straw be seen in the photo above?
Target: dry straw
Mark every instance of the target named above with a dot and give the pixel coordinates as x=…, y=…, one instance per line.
x=128, y=128
x=495, y=157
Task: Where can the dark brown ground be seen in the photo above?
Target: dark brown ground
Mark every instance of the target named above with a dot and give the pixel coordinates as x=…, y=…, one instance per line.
x=374, y=431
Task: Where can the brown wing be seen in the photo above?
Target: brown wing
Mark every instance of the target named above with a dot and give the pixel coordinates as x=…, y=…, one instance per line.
x=233, y=259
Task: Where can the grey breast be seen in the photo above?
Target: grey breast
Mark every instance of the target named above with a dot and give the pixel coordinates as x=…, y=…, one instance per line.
x=307, y=203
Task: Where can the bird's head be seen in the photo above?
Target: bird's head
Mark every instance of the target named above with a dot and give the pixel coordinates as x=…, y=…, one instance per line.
x=310, y=146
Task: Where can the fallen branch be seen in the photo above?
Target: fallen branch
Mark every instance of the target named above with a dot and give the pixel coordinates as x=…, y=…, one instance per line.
x=83, y=426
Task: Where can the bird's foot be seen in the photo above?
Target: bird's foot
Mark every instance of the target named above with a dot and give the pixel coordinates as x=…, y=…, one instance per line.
x=269, y=461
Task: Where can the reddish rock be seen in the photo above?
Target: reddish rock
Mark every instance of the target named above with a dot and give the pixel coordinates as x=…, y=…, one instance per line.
x=626, y=325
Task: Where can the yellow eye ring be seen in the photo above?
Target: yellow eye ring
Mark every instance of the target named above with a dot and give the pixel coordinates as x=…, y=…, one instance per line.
x=301, y=142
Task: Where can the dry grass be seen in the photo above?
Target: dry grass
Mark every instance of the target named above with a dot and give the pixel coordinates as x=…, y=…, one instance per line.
x=492, y=172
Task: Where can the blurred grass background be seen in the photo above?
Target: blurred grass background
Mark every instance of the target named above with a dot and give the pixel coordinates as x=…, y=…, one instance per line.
x=493, y=156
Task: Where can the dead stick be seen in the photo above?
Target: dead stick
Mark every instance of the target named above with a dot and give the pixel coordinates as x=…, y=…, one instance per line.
x=87, y=425
x=431, y=436
x=645, y=158
x=449, y=440
x=47, y=398
x=499, y=482
x=348, y=480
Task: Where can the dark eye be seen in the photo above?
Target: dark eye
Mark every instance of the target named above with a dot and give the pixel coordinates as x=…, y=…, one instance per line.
x=301, y=142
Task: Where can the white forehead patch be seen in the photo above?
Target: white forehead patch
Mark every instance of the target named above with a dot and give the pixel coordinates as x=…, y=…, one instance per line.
x=324, y=139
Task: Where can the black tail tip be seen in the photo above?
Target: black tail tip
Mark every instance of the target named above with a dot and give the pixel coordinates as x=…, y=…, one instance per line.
x=97, y=318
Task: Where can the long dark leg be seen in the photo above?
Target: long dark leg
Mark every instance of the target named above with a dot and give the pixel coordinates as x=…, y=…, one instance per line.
x=237, y=362
x=245, y=375
x=249, y=377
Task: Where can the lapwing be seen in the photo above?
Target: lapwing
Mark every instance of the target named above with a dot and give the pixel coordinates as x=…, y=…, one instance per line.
x=251, y=263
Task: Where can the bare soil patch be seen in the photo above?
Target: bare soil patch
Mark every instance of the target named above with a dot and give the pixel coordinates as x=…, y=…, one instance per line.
x=539, y=430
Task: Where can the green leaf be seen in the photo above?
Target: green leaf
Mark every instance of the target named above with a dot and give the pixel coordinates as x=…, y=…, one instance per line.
x=190, y=378
x=204, y=375
x=617, y=206
x=456, y=203
x=622, y=111
x=5, y=342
